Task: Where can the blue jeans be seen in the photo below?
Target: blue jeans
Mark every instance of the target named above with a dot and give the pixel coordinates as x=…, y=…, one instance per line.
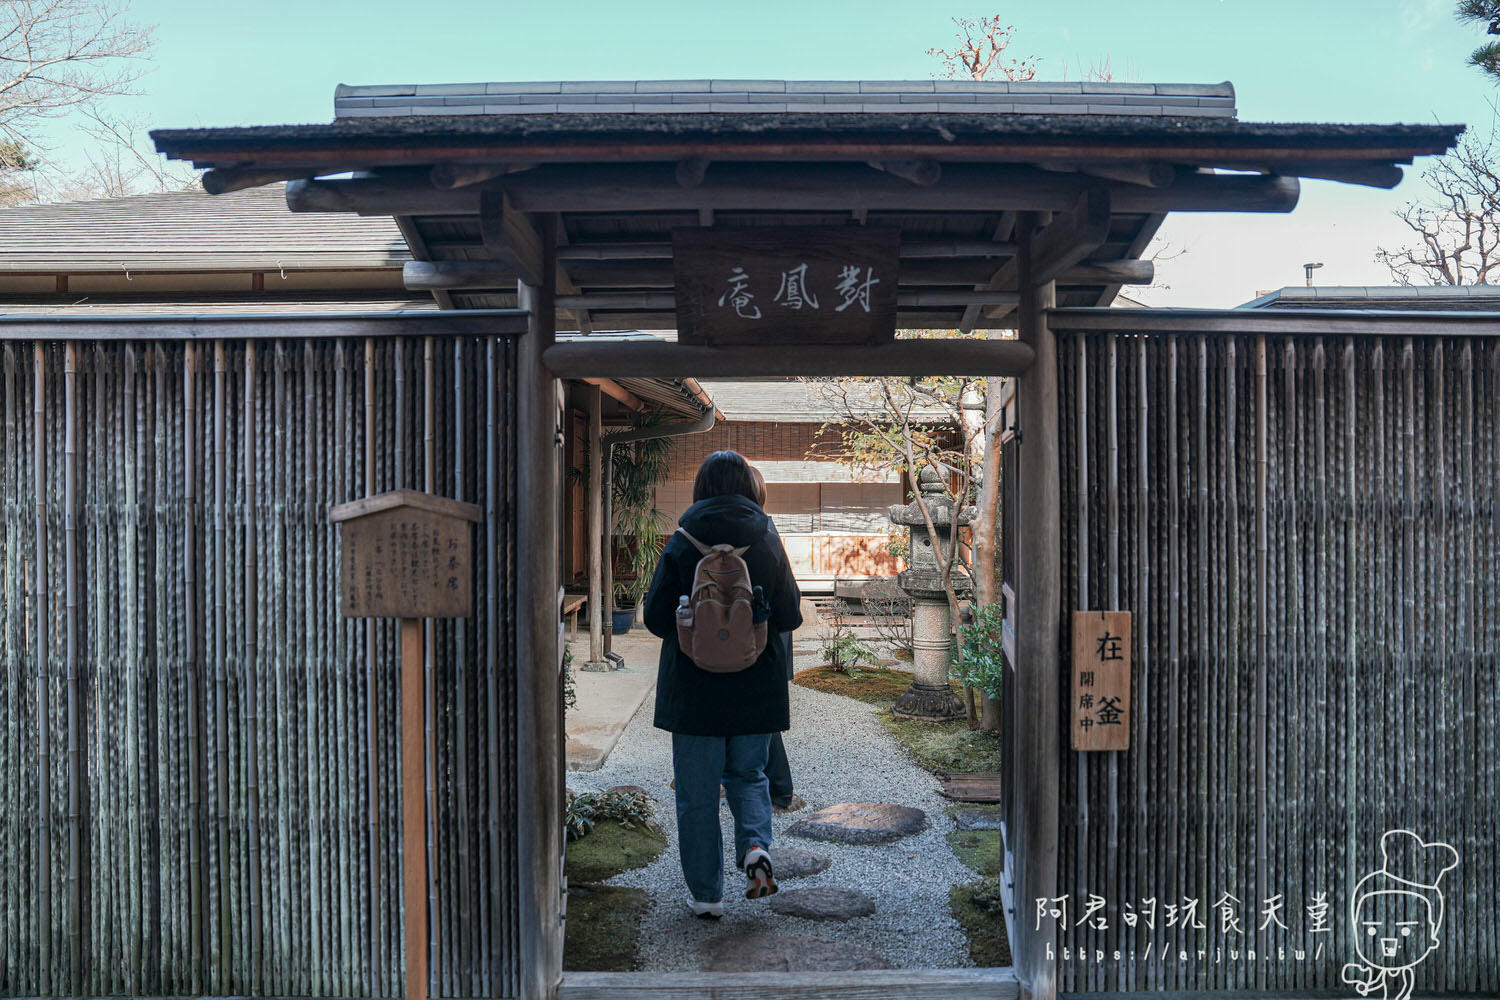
x=699, y=763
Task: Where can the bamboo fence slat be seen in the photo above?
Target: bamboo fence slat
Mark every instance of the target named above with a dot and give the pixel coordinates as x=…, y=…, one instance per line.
x=1306, y=530
x=199, y=752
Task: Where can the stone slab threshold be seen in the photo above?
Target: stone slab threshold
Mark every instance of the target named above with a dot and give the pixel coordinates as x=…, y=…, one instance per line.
x=874, y=984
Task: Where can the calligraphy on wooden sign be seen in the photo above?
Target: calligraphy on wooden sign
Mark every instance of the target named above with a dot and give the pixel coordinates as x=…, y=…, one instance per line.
x=1100, y=700
x=795, y=285
x=406, y=555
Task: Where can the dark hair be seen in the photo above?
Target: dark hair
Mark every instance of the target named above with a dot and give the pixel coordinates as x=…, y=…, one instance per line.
x=724, y=474
x=760, y=485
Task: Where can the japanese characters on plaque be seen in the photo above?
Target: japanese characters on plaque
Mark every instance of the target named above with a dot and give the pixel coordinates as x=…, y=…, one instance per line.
x=405, y=561
x=1099, y=702
x=815, y=284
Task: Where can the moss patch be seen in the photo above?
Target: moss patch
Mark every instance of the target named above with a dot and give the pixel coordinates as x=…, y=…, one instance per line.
x=876, y=686
x=977, y=908
x=946, y=747
x=604, y=927
x=611, y=848
x=981, y=850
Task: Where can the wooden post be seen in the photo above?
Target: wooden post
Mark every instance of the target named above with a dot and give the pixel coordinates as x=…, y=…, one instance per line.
x=606, y=541
x=538, y=663
x=413, y=809
x=409, y=555
x=1038, y=632
x=596, y=529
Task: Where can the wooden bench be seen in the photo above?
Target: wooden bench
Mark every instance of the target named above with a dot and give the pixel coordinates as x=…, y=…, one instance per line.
x=570, y=607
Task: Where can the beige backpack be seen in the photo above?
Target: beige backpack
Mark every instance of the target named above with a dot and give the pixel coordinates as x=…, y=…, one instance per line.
x=715, y=623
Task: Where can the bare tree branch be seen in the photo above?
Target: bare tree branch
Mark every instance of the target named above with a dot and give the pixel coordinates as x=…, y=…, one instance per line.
x=1457, y=227
x=981, y=40
x=58, y=54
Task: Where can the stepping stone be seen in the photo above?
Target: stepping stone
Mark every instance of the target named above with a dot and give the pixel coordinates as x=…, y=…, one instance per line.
x=860, y=823
x=794, y=862
x=977, y=819
x=785, y=953
x=823, y=902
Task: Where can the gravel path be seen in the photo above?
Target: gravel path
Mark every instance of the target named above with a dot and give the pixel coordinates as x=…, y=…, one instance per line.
x=839, y=752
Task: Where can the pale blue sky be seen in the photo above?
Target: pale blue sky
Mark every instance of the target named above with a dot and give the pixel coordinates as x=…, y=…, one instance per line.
x=277, y=61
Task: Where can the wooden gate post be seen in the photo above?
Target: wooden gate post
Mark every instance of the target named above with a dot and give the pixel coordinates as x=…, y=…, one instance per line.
x=539, y=732
x=1038, y=631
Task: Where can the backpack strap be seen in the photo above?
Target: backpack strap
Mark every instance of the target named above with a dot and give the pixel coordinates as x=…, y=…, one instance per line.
x=704, y=550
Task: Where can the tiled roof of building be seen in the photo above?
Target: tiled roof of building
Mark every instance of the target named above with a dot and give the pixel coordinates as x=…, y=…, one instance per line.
x=192, y=231
x=1475, y=298
x=797, y=401
x=773, y=96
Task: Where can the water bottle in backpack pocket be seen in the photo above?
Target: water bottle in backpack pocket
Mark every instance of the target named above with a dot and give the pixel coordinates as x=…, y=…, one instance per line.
x=719, y=626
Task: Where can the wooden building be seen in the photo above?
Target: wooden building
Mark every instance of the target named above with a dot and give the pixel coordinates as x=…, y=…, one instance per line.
x=1267, y=492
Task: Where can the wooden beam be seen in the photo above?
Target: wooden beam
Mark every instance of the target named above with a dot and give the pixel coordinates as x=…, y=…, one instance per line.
x=417, y=244
x=1113, y=272
x=923, y=173
x=660, y=359
x=1325, y=322
x=509, y=237
x=461, y=175
x=1005, y=228
x=1154, y=175
x=660, y=301
x=936, y=318
x=1038, y=625
x=1074, y=235
x=619, y=394
x=1071, y=236
x=1376, y=175
x=222, y=180
x=424, y=275
x=257, y=326
x=627, y=187
x=690, y=172
x=872, y=984
x=565, y=286
x=1133, y=251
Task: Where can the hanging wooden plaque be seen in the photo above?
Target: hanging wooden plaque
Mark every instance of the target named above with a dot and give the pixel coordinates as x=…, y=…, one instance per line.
x=795, y=285
x=1099, y=703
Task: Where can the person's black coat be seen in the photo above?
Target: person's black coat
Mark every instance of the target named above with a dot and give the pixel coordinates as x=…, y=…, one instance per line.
x=693, y=701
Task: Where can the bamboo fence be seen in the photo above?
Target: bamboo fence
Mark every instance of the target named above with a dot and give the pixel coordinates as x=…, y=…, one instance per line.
x=1307, y=530
x=200, y=755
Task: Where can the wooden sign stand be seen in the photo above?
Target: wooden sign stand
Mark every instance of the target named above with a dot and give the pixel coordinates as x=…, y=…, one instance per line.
x=408, y=555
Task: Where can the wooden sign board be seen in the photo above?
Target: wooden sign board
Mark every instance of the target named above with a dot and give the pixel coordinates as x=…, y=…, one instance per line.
x=1100, y=699
x=795, y=285
x=406, y=555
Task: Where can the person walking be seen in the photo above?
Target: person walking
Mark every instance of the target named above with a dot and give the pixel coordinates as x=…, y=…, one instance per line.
x=721, y=722
x=784, y=798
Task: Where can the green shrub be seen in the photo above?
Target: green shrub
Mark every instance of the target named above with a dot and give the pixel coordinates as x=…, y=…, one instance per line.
x=626, y=808
x=980, y=663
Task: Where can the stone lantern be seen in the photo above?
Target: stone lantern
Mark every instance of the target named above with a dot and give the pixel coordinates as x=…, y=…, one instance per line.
x=929, y=697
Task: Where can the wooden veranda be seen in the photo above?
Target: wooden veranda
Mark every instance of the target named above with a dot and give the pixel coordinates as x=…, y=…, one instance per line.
x=1004, y=218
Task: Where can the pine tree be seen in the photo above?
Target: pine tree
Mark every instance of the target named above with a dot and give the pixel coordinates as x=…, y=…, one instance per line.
x=1486, y=13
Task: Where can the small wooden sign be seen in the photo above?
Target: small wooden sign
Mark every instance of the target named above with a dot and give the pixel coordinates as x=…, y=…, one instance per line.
x=406, y=554
x=796, y=285
x=1100, y=705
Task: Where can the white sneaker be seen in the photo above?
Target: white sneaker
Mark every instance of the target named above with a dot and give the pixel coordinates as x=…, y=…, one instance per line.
x=706, y=911
x=761, y=882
